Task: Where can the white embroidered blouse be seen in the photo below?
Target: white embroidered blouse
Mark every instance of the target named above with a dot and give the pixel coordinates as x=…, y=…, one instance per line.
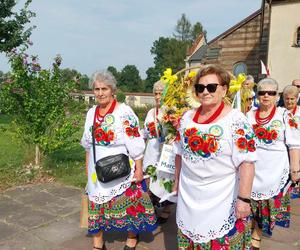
x=272, y=166
x=208, y=183
x=119, y=133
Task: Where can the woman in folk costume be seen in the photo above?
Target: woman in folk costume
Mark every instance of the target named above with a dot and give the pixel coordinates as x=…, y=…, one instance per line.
x=214, y=169
x=112, y=128
x=278, y=143
x=154, y=135
x=290, y=97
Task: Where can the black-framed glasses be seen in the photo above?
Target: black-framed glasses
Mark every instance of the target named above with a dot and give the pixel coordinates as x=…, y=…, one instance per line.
x=211, y=87
x=270, y=93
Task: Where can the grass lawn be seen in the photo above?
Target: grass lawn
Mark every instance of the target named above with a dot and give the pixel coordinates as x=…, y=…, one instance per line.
x=66, y=165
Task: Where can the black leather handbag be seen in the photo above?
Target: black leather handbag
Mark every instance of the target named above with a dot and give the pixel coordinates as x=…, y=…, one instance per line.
x=111, y=167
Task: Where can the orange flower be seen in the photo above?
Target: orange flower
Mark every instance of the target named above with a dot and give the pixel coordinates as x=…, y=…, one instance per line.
x=241, y=143
x=212, y=145
x=110, y=135
x=240, y=132
x=274, y=134
x=126, y=123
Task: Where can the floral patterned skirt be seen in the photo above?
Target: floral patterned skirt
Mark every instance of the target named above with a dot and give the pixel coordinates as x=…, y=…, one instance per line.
x=238, y=238
x=130, y=211
x=295, y=191
x=275, y=211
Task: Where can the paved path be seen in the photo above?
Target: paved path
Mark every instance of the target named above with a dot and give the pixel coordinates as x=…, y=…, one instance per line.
x=46, y=216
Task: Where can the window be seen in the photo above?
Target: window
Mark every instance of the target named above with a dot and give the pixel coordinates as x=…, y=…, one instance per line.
x=239, y=68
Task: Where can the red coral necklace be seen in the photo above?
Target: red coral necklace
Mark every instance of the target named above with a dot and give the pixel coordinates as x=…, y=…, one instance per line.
x=263, y=121
x=212, y=117
x=99, y=117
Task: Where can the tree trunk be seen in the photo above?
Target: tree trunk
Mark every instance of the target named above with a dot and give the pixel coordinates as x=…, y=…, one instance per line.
x=37, y=155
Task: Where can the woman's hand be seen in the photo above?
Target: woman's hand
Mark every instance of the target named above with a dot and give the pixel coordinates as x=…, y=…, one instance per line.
x=175, y=187
x=242, y=209
x=295, y=176
x=138, y=175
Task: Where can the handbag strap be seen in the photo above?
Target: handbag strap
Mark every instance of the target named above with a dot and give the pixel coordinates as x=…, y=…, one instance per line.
x=110, y=110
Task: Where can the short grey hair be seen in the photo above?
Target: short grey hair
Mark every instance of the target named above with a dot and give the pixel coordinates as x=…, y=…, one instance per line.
x=249, y=78
x=267, y=81
x=290, y=90
x=159, y=85
x=105, y=77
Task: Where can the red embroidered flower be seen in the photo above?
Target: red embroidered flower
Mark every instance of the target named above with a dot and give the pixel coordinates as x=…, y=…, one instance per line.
x=129, y=131
x=131, y=211
x=265, y=211
x=277, y=203
x=292, y=123
x=102, y=210
x=190, y=132
x=274, y=134
x=140, y=208
x=129, y=192
x=152, y=131
x=136, y=132
x=241, y=143
x=251, y=145
x=215, y=245
x=138, y=194
x=240, y=132
x=240, y=227
x=177, y=138
x=100, y=134
x=195, y=142
x=261, y=133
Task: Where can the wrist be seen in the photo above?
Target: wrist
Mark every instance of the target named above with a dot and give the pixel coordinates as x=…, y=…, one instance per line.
x=246, y=200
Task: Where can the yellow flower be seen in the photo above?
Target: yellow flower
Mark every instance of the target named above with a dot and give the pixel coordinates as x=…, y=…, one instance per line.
x=236, y=84
x=168, y=77
x=192, y=74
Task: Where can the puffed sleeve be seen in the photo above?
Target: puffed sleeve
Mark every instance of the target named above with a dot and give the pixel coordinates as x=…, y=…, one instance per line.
x=134, y=142
x=292, y=131
x=243, y=140
x=86, y=140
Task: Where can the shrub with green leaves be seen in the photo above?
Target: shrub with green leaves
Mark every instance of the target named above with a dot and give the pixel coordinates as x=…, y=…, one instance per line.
x=39, y=102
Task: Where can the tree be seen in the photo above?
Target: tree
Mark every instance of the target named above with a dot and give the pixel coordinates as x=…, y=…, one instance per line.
x=197, y=30
x=169, y=53
x=39, y=103
x=114, y=71
x=130, y=79
x=153, y=75
x=72, y=75
x=13, y=31
x=183, y=29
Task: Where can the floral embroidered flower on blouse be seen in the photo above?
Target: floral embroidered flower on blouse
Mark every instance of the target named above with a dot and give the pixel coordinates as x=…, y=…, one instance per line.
x=103, y=135
x=292, y=121
x=203, y=145
x=153, y=129
x=131, y=127
x=267, y=135
x=244, y=139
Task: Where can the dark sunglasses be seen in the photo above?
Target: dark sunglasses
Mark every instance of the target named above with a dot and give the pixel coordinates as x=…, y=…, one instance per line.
x=270, y=93
x=298, y=86
x=211, y=87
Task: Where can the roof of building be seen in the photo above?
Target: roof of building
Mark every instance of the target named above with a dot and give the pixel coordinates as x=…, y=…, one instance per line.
x=199, y=54
x=235, y=27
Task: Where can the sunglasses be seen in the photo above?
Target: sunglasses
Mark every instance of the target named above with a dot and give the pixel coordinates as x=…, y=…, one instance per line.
x=211, y=87
x=298, y=86
x=270, y=93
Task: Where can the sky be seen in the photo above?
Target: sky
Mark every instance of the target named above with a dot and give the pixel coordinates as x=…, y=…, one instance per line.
x=94, y=34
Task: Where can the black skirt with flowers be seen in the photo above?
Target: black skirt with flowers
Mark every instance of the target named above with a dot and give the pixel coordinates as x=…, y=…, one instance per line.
x=130, y=211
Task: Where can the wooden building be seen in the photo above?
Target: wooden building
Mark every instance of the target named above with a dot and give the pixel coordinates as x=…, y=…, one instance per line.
x=256, y=38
